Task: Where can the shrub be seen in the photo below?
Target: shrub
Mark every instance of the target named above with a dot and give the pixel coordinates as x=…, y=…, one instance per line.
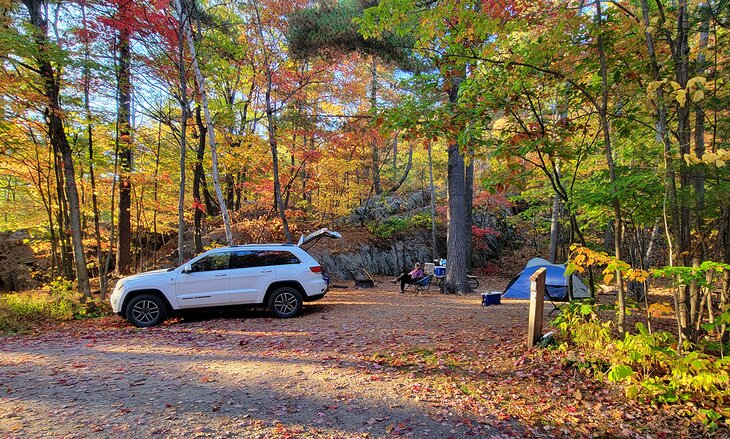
x=393, y=227
x=649, y=365
x=21, y=311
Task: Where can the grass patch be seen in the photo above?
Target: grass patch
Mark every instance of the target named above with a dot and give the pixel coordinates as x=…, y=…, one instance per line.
x=20, y=312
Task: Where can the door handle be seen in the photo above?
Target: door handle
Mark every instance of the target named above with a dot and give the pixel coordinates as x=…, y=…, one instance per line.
x=266, y=271
x=221, y=275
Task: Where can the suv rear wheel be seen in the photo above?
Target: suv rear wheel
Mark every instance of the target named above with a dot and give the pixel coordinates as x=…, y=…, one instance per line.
x=285, y=302
x=146, y=310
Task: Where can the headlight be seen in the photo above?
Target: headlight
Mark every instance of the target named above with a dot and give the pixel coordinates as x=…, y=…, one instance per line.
x=118, y=287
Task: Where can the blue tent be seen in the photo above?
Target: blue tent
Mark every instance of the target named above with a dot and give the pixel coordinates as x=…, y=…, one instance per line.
x=556, y=283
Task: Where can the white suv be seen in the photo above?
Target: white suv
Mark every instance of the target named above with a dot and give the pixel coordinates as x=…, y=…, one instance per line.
x=278, y=276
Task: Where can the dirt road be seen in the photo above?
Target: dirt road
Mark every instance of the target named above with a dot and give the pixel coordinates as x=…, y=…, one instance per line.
x=360, y=363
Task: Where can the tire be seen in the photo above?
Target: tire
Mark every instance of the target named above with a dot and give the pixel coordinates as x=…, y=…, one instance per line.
x=146, y=310
x=473, y=282
x=285, y=302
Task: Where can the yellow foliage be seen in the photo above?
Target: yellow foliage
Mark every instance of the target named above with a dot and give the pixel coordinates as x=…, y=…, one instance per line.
x=582, y=258
x=660, y=309
x=692, y=159
x=696, y=81
x=608, y=278
x=636, y=274
x=682, y=97
x=719, y=159
x=654, y=86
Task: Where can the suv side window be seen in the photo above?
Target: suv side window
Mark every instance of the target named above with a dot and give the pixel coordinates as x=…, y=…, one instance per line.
x=263, y=258
x=216, y=261
x=280, y=257
x=249, y=259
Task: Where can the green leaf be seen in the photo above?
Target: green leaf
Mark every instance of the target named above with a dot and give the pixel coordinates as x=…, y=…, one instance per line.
x=620, y=372
x=632, y=391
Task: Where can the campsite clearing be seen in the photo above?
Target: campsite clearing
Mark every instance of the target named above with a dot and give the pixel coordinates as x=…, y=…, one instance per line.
x=359, y=363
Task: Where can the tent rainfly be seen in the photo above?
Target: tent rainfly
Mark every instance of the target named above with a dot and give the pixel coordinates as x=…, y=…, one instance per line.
x=556, y=282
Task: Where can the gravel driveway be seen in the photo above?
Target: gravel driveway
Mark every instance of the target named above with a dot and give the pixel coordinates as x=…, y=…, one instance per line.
x=244, y=374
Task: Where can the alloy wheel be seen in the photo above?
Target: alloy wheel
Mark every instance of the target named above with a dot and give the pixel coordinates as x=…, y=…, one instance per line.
x=145, y=311
x=285, y=303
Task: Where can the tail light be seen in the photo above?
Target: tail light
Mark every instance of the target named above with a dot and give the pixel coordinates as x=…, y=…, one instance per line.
x=316, y=269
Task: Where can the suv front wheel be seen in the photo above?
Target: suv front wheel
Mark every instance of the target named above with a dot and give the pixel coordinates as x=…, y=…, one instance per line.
x=285, y=302
x=146, y=310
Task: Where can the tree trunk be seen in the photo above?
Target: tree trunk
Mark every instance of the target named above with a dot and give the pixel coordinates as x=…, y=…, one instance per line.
x=698, y=181
x=432, y=192
x=468, y=205
x=724, y=241
x=406, y=171
x=66, y=268
x=304, y=170
x=603, y=116
x=181, y=70
x=48, y=204
x=271, y=129
x=662, y=130
x=672, y=222
x=554, y=230
x=211, y=208
x=57, y=134
x=155, y=189
x=241, y=177
x=456, y=280
x=646, y=257
x=197, y=179
x=395, y=154
x=92, y=178
x=684, y=133
x=374, y=142
x=230, y=189
x=124, y=133
x=275, y=160
x=209, y=122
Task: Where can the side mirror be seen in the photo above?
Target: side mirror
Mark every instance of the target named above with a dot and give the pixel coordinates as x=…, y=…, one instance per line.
x=187, y=269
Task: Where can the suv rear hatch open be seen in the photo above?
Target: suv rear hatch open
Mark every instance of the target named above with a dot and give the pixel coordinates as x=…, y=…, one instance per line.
x=306, y=242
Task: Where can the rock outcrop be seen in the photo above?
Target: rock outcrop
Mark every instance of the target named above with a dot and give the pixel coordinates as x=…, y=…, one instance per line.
x=17, y=262
x=394, y=257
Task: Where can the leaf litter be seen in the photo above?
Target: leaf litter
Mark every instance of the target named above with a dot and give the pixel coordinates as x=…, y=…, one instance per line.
x=359, y=363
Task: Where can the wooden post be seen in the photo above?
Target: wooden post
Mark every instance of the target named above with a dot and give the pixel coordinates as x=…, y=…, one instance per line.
x=537, y=300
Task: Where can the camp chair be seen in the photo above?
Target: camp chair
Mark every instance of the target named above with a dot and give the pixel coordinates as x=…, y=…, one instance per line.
x=428, y=268
x=557, y=295
x=422, y=284
x=554, y=300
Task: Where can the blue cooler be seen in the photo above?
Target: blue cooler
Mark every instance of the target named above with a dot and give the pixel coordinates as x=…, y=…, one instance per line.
x=439, y=271
x=493, y=298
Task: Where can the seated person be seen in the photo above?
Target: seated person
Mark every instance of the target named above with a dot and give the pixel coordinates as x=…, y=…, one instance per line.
x=411, y=277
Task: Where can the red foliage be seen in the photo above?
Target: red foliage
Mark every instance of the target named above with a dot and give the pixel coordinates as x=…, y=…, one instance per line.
x=503, y=9
x=482, y=232
x=198, y=205
x=487, y=200
x=490, y=269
